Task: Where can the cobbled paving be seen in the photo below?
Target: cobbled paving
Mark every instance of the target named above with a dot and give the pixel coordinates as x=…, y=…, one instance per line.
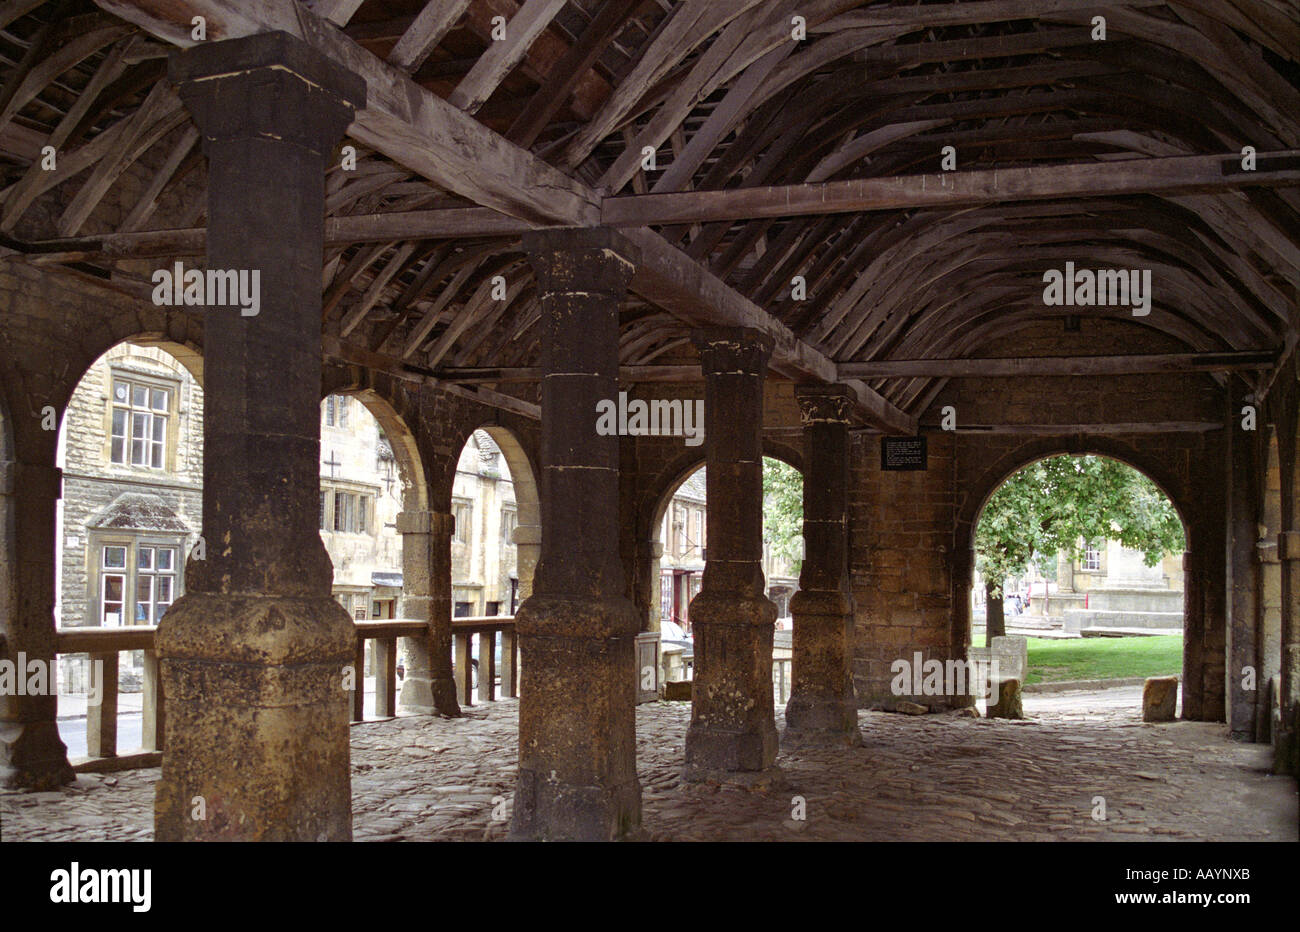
x=915, y=778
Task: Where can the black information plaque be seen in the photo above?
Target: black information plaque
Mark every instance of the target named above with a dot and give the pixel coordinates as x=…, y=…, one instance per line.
x=902, y=453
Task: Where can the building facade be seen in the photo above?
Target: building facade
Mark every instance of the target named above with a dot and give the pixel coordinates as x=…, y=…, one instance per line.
x=484, y=561
x=132, y=458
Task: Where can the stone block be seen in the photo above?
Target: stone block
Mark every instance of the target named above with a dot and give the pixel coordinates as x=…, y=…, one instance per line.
x=1008, y=704
x=678, y=691
x=1160, y=699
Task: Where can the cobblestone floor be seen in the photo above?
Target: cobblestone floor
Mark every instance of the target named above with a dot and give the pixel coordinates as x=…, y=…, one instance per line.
x=923, y=778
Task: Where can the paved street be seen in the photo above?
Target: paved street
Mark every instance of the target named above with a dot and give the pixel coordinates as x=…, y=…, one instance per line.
x=922, y=778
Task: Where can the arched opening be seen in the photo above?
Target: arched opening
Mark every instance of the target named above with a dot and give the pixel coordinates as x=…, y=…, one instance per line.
x=1082, y=555
x=495, y=543
x=131, y=449
x=680, y=552
x=524, y=528
x=369, y=473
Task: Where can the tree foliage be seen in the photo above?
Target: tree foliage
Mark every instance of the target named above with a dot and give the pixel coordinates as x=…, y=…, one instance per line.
x=783, y=511
x=1057, y=505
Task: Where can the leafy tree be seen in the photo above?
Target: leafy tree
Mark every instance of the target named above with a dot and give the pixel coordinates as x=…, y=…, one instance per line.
x=1058, y=505
x=783, y=511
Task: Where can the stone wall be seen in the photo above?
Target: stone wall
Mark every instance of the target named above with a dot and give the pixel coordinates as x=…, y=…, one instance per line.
x=900, y=535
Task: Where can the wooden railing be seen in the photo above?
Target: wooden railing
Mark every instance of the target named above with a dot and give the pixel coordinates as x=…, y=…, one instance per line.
x=385, y=633
x=103, y=645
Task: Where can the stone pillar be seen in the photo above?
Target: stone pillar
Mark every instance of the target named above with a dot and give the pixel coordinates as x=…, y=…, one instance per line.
x=577, y=725
x=254, y=657
x=822, y=706
x=655, y=616
x=1243, y=530
x=1287, y=739
x=732, y=736
x=1193, y=631
x=31, y=752
x=1268, y=632
x=528, y=547
x=426, y=595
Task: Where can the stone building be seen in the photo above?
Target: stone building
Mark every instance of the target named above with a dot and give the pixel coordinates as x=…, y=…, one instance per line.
x=1110, y=587
x=360, y=497
x=132, y=459
x=669, y=201
x=484, y=570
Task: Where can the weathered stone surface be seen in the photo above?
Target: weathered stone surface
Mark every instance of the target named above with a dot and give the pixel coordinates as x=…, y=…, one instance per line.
x=822, y=705
x=733, y=732
x=253, y=656
x=911, y=708
x=1160, y=699
x=919, y=779
x=577, y=726
x=1008, y=703
x=678, y=691
x=426, y=595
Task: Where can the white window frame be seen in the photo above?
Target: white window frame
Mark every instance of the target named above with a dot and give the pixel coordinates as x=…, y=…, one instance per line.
x=154, y=450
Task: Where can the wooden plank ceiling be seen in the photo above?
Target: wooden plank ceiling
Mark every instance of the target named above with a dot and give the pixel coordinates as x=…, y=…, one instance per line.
x=773, y=158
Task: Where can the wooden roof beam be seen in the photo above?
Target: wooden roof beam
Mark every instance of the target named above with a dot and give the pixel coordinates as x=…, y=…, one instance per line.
x=1134, y=364
x=1174, y=175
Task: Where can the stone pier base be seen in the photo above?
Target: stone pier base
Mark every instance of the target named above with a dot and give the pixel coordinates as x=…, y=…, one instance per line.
x=257, y=719
x=577, y=727
x=733, y=738
x=822, y=707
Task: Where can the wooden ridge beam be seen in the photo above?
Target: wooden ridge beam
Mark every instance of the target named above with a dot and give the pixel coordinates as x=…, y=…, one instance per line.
x=1070, y=430
x=1136, y=364
x=476, y=375
x=1173, y=175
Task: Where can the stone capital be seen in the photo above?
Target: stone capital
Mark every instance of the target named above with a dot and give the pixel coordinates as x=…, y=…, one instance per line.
x=271, y=85
x=824, y=404
x=1288, y=545
x=580, y=259
x=733, y=350
x=1266, y=551
x=426, y=522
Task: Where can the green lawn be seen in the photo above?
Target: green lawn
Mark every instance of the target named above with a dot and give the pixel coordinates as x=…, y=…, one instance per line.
x=1052, y=660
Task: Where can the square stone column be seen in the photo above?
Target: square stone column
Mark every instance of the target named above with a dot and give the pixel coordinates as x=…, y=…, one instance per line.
x=1193, y=631
x=256, y=656
x=577, y=725
x=1243, y=581
x=732, y=736
x=32, y=754
x=822, y=706
x=1286, y=738
x=426, y=595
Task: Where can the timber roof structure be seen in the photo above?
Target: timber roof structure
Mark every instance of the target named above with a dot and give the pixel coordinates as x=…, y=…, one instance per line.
x=739, y=147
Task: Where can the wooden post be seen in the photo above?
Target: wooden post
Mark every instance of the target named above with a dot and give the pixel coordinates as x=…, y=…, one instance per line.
x=487, y=665
x=463, y=669
x=154, y=712
x=101, y=718
x=385, y=677
x=359, y=681
x=509, y=664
